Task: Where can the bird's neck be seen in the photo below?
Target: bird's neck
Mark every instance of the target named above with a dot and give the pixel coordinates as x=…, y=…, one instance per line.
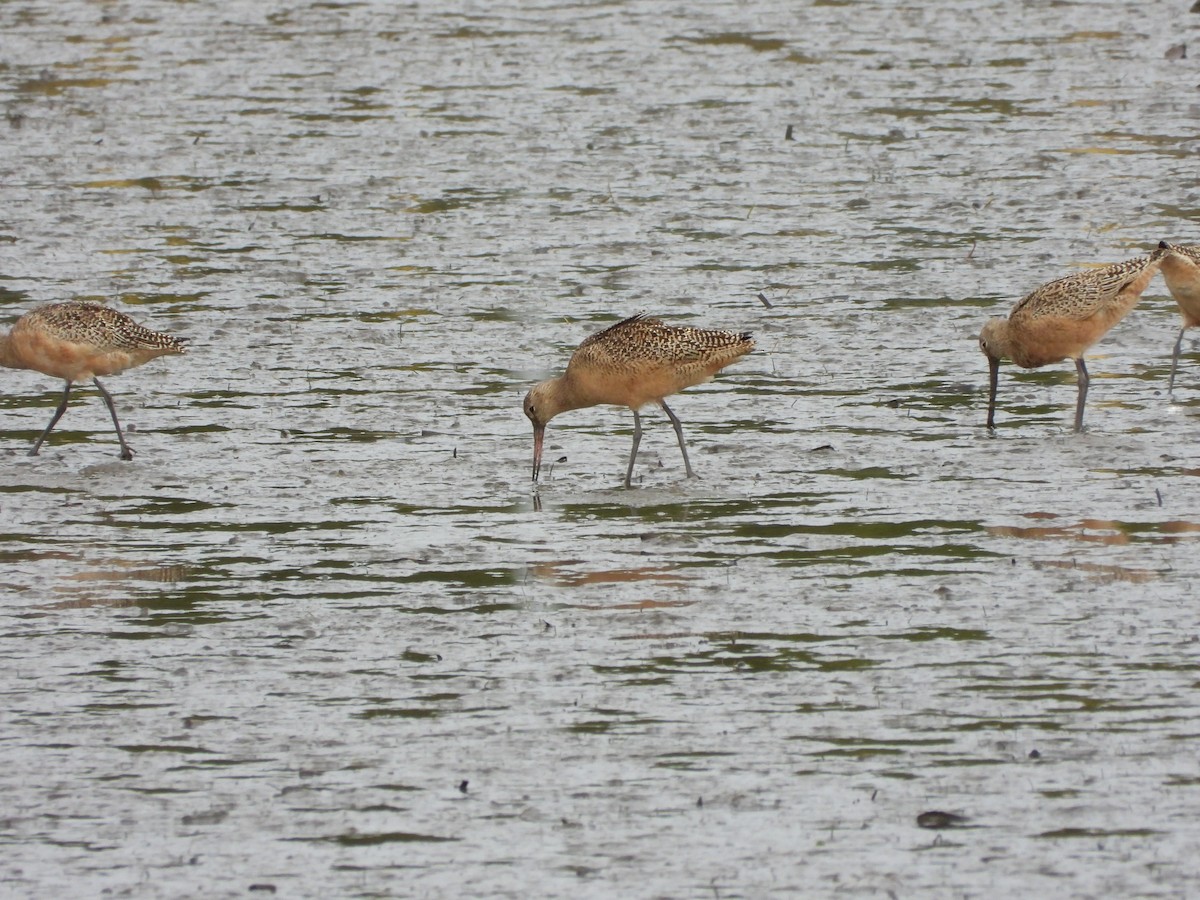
x=564, y=394
x=8, y=356
x=1141, y=281
x=1180, y=272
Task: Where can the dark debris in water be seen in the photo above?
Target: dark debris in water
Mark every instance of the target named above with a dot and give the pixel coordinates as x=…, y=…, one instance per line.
x=935, y=818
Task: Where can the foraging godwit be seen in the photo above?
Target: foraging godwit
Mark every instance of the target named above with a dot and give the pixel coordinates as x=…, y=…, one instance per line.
x=1181, y=271
x=1062, y=319
x=76, y=341
x=635, y=362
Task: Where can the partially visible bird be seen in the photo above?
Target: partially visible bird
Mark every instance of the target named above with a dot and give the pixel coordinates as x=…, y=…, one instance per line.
x=633, y=363
x=1062, y=319
x=77, y=341
x=1181, y=271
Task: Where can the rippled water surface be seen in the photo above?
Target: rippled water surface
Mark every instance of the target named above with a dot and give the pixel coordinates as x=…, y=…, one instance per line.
x=320, y=638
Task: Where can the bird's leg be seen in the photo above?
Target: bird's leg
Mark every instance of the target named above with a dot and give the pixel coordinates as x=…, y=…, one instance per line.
x=1175, y=359
x=637, y=439
x=126, y=453
x=1083, y=386
x=679, y=434
x=58, y=414
x=993, y=380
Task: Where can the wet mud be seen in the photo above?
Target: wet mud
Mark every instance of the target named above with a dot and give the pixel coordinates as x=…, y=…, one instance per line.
x=321, y=637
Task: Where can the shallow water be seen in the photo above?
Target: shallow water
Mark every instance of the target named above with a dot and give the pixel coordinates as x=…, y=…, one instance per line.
x=321, y=639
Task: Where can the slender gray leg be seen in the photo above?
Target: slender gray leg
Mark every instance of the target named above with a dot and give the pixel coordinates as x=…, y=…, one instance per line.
x=58, y=414
x=1083, y=386
x=679, y=434
x=1175, y=359
x=126, y=453
x=637, y=439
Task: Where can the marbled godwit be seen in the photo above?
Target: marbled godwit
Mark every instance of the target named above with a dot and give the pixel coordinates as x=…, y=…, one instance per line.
x=77, y=341
x=1181, y=270
x=635, y=362
x=1062, y=319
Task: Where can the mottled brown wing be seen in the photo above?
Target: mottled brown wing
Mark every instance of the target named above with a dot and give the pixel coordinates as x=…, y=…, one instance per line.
x=639, y=341
x=101, y=327
x=1080, y=295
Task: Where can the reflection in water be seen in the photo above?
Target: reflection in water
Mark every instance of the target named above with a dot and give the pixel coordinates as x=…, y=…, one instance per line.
x=1103, y=572
x=1100, y=531
x=119, y=583
x=559, y=573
